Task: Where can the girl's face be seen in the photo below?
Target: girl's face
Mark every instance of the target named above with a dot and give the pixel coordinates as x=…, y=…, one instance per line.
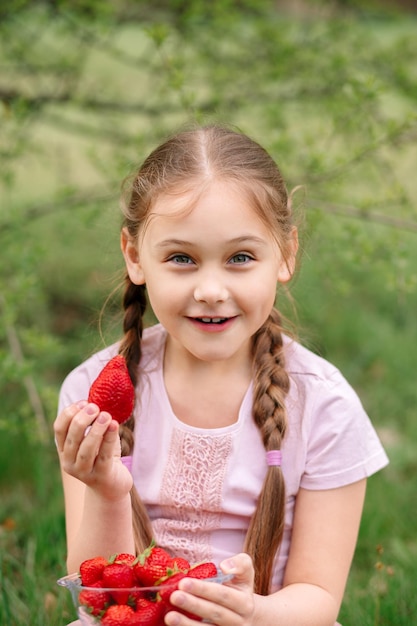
x=211, y=271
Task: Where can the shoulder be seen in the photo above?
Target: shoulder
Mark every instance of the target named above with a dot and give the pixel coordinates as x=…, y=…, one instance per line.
x=303, y=364
x=318, y=388
x=328, y=423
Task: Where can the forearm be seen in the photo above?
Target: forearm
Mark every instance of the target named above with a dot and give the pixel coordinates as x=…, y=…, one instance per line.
x=297, y=604
x=105, y=529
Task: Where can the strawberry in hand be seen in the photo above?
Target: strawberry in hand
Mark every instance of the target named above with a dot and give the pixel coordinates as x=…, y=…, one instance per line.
x=113, y=390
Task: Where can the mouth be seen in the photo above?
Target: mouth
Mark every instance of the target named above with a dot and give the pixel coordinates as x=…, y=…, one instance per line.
x=212, y=320
x=212, y=324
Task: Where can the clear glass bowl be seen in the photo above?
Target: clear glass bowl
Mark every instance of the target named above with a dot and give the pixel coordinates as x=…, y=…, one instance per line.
x=91, y=603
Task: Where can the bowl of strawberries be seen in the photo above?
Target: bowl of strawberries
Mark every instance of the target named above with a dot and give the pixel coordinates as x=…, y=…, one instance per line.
x=128, y=590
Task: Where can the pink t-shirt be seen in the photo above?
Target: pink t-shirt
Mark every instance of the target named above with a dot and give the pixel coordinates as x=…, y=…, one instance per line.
x=201, y=486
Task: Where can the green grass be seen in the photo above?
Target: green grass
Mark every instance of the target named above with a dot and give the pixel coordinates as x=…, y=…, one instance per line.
x=32, y=536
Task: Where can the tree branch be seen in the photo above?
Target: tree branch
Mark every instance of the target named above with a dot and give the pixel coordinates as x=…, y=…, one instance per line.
x=95, y=196
x=371, y=216
x=36, y=211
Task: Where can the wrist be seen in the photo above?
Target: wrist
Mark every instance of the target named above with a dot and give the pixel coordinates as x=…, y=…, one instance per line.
x=105, y=500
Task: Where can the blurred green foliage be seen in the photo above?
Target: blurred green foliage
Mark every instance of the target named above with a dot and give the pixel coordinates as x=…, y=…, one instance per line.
x=86, y=90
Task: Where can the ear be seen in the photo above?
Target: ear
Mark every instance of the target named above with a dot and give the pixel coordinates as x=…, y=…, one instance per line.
x=287, y=266
x=131, y=256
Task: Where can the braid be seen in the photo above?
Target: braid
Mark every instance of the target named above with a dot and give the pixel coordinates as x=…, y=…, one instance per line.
x=134, y=303
x=271, y=384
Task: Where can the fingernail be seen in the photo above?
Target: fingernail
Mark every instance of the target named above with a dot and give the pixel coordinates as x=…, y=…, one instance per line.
x=91, y=409
x=228, y=566
x=102, y=418
x=187, y=584
x=179, y=599
x=172, y=619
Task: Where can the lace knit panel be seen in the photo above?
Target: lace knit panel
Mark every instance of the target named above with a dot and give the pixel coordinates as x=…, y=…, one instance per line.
x=191, y=493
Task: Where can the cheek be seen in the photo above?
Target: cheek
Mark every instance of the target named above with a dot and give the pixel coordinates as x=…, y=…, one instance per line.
x=162, y=293
x=264, y=299
x=264, y=289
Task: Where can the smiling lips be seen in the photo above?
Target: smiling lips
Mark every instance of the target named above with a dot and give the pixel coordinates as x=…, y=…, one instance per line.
x=212, y=323
x=212, y=320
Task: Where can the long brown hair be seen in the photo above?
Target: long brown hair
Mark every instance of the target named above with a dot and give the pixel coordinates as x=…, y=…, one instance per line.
x=188, y=161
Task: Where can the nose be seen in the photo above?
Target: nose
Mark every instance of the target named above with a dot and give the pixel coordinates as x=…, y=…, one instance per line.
x=210, y=288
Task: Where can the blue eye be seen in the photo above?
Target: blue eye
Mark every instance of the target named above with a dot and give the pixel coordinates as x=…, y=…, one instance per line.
x=181, y=259
x=241, y=258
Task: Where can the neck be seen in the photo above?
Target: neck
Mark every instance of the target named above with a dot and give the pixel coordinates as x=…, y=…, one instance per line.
x=179, y=359
x=205, y=394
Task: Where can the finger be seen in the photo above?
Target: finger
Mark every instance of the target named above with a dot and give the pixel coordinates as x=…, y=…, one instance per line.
x=94, y=433
x=209, y=612
x=213, y=602
x=63, y=421
x=92, y=440
x=99, y=459
x=109, y=445
x=241, y=566
x=77, y=429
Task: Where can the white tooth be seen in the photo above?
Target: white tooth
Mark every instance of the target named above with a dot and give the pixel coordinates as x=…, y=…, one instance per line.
x=212, y=320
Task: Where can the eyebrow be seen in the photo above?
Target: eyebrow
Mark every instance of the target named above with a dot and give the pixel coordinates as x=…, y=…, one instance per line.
x=250, y=239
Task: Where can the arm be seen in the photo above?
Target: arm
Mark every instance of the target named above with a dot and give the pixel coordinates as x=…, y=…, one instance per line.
x=326, y=525
x=98, y=510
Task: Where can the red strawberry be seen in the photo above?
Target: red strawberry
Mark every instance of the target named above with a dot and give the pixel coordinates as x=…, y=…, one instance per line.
x=118, y=575
x=148, y=613
x=117, y=615
x=180, y=564
x=153, y=564
x=203, y=570
x=170, y=585
x=95, y=601
x=124, y=557
x=113, y=390
x=121, y=576
x=91, y=570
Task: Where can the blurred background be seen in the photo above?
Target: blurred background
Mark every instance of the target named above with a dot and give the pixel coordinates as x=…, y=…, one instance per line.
x=87, y=89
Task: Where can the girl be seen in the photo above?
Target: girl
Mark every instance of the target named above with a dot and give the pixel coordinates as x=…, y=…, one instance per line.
x=246, y=448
